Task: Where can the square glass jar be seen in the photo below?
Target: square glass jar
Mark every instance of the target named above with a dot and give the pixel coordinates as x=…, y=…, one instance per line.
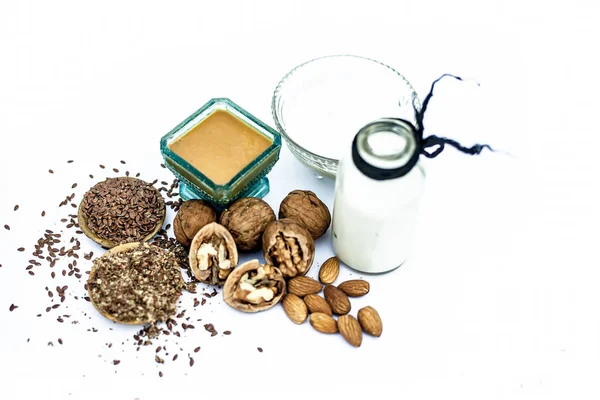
x=251, y=181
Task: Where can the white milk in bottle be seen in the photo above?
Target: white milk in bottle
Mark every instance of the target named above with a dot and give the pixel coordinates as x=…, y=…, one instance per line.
x=377, y=192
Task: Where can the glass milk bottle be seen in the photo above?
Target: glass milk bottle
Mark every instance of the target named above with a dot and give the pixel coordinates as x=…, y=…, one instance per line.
x=377, y=192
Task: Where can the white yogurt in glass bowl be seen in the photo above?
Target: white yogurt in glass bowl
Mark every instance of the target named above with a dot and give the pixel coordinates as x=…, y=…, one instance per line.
x=319, y=106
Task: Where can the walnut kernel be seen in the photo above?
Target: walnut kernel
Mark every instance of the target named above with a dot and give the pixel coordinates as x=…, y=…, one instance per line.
x=289, y=246
x=253, y=287
x=213, y=254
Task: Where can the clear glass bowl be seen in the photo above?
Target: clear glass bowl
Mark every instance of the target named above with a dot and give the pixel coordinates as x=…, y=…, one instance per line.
x=320, y=105
x=251, y=181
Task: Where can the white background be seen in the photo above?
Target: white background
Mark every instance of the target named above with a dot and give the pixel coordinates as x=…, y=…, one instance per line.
x=502, y=299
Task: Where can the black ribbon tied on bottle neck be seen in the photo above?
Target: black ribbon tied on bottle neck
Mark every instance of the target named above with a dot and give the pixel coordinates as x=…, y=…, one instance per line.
x=423, y=144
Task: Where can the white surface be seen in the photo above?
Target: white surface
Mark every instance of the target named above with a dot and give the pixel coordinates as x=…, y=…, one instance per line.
x=501, y=300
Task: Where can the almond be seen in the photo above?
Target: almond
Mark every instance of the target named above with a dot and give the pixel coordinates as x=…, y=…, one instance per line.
x=303, y=285
x=355, y=287
x=316, y=303
x=337, y=300
x=323, y=323
x=329, y=271
x=350, y=329
x=295, y=308
x=370, y=321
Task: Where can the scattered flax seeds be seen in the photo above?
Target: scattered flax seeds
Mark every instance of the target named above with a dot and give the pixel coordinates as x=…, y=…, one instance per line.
x=16, y=207
x=116, y=362
x=70, y=161
x=211, y=328
x=51, y=249
x=12, y=307
x=50, y=171
x=7, y=227
x=260, y=350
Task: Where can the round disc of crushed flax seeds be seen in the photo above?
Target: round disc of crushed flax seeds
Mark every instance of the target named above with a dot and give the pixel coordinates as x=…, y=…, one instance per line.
x=135, y=283
x=121, y=210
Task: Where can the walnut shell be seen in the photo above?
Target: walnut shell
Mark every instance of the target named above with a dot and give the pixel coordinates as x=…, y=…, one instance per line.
x=213, y=254
x=305, y=207
x=254, y=287
x=246, y=219
x=288, y=245
x=192, y=216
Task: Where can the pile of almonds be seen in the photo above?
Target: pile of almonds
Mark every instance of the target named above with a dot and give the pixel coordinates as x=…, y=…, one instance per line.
x=303, y=298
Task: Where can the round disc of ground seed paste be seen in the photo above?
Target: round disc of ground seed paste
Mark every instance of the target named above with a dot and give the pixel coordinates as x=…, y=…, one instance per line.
x=135, y=283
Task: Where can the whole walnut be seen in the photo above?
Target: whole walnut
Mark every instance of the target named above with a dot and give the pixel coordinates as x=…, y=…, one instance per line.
x=246, y=219
x=305, y=207
x=192, y=216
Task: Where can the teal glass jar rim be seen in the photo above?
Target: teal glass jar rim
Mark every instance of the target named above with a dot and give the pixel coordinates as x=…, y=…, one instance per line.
x=198, y=185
